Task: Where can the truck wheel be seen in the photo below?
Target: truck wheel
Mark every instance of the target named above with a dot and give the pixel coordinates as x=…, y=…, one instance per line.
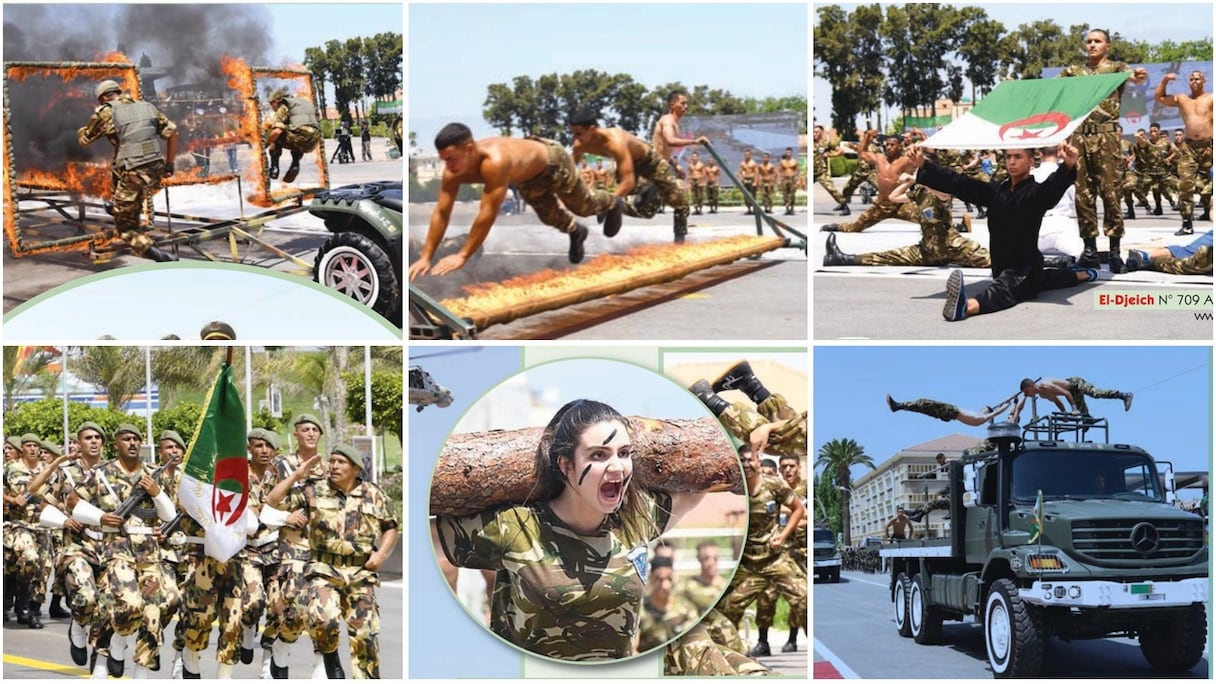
x=1012, y=633
x=901, y=605
x=926, y=621
x=1178, y=645
x=835, y=576
x=354, y=265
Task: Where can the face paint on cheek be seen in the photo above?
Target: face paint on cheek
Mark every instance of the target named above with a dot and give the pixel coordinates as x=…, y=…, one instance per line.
x=584, y=475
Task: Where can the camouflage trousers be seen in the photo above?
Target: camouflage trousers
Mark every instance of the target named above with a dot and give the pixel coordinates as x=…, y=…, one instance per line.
x=1098, y=171
x=824, y=179
x=711, y=196
x=286, y=603
x=173, y=594
x=80, y=577
x=559, y=190
x=749, y=188
x=861, y=175
x=1194, y=175
x=740, y=420
x=654, y=169
x=931, y=407
x=789, y=191
x=767, y=192
x=132, y=188
x=882, y=210
x=711, y=648
x=134, y=606
x=766, y=605
x=1199, y=263
x=229, y=593
x=751, y=580
x=955, y=249
x=1080, y=389
x=1132, y=188
x=338, y=594
x=28, y=560
x=302, y=139
x=1156, y=182
x=698, y=195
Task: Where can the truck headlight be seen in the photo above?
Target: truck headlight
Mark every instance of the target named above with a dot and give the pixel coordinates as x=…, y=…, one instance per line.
x=1045, y=562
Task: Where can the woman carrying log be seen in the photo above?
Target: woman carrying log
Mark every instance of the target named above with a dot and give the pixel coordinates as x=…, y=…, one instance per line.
x=571, y=561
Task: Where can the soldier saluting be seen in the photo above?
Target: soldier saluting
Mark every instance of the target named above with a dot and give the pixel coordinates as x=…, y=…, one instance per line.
x=133, y=127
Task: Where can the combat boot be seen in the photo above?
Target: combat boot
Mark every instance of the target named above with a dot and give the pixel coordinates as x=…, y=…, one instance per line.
x=844, y=210
x=680, y=225
x=333, y=666
x=192, y=666
x=1187, y=228
x=829, y=228
x=35, y=617
x=1127, y=400
x=707, y=396
x=1114, y=259
x=1089, y=256
x=1131, y=209
x=790, y=647
x=894, y=405
x=1207, y=215
x=21, y=605
x=57, y=610
x=116, y=660
x=577, y=237
x=612, y=218
x=292, y=171
x=273, y=172
x=78, y=643
x=248, y=642
x=835, y=257
x=1157, y=210
x=279, y=652
x=760, y=649
x=982, y=213
x=740, y=377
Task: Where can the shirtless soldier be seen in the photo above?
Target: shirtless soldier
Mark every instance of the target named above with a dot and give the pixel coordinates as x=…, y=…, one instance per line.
x=1073, y=390
x=789, y=180
x=768, y=183
x=542, y=171
x=696, y=179
x=667, y=142
x=713, y=173
x=1195, y=153
x=888, y=166
x=749, y=173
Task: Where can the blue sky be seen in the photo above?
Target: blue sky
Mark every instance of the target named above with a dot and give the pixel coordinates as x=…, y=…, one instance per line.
x=1171, y=415
x=300, y=26
x=456, y=51
x=1140, y=21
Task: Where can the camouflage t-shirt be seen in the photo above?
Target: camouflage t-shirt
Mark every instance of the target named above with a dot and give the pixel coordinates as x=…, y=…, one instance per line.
x=763, y=510
x=557, y=593
x=695, y=591
x=343, y=524
x=659, y=626
x=17, y=477
x=1107, y=111
x=107, y=486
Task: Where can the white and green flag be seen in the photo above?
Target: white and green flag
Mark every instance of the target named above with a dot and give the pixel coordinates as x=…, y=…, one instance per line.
x=1038, y=112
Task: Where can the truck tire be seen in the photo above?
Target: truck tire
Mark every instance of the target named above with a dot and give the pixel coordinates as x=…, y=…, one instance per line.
x=901, y=605
x=834, y=575
x=925, y=620
x=1013, y=634
x=354, y=265
x=1177, y=646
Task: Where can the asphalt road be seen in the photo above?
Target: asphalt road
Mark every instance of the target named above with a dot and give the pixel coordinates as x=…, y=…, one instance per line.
x=891, y=302
x=854, y=623
x=300, y=234
x=43, y=654
x=769, y=304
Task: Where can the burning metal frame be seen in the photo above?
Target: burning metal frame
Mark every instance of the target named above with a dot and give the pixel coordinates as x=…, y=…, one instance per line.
x=55, y=204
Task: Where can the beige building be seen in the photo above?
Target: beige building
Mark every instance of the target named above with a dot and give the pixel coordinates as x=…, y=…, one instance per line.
x=906, y=479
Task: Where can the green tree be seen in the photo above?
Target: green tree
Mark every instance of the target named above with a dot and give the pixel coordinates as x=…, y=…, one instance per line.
x=45, y=419
x=24, y=369
x=980, y=50
x=837, y=459
x=383, y=53
x=118, y=371
x=182, y=419
x=1186, y=51
x=827, y=502
x=834, y=63
x=316, y=61
x=387, y=404
x=182, y=368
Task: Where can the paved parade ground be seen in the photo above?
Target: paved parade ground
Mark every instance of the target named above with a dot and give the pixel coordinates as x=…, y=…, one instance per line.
x=899, y=302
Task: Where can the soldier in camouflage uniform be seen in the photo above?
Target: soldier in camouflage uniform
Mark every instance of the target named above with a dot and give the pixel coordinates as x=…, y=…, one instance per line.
x=571, y=563
x=664, y=614
x=1130, y=180
x=541, y=170
x=667, y=141
x=712, y=647
x=948, y=412
x=789, y=180
x=768, y=183
x=1098, y=167
x=1153, y=153
x=27, y=550
x=889, y=165
x=286, y=589
x=1074, y=390
x=766, y=605
x=749, y=175
x=823, y=176
x=78, y=563
x=129, y=550
x=764, y=562
x=940, y=243
x=1192, y=259
x=295, y=127
x=138, y=167
x=713, y=184
x=773, y=426
x=862, y=173
x=170, y=447
x=351, y=531
x=696, y=181
x=703, y=590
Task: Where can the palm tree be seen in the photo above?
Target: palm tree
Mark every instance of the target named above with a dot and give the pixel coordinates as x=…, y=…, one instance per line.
x=118, y=371
x=838, y=457
x=22, y=367
x=179, y=368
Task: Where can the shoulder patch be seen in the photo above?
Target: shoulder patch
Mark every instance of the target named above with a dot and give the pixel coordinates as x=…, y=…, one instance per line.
x=639, y=557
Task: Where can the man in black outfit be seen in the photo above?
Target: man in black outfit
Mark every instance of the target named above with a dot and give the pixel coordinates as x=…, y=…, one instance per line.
x=1015, y=214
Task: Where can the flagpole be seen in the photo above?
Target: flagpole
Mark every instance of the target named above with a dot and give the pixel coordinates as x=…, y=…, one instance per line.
x=248, y=390
x=63, y=382
x=148, y=394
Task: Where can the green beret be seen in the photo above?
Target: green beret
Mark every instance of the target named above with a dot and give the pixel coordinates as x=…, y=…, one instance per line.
x=90, y=425
x=172, y=436
x=272, y=438
x=52, y=447
x=31, y=437
x=127, y=427
x=309, y=418
x=14, y=442
x=350, y=453
x=254, y=433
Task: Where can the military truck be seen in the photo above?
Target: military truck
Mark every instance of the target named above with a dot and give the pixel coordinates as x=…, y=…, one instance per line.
x=1052, y=535
x=827, y=556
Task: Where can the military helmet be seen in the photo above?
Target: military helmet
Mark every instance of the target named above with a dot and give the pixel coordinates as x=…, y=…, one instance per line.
x=217, y=330
x=277, y=94
x=107, y=86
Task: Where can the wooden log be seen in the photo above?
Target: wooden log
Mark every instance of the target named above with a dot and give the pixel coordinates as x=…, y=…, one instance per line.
x=482, y=470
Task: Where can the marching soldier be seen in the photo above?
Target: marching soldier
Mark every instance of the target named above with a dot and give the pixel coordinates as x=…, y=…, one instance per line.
x=129, y=550
x=138, y=167
x=170, y=447
x=351, y=531
x=28, y=549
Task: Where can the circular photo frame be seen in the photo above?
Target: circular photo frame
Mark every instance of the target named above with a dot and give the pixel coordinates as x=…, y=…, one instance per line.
x=569, y=499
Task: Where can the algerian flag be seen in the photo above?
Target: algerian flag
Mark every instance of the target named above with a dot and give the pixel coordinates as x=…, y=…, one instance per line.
x=1036, y=519
x=1038, y=112
x=214, y=489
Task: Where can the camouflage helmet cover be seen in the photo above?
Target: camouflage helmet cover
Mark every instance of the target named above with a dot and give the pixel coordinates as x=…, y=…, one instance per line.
x=107, y=86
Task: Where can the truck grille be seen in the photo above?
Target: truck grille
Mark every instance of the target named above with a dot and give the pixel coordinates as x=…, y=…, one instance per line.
x=824, y=554
x=1163, y=541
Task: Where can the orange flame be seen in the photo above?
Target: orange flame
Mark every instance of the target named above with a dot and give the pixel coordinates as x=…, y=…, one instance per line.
x=82, y=178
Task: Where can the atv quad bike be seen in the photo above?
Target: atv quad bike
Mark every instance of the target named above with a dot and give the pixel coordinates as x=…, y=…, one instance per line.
x=362, y=259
